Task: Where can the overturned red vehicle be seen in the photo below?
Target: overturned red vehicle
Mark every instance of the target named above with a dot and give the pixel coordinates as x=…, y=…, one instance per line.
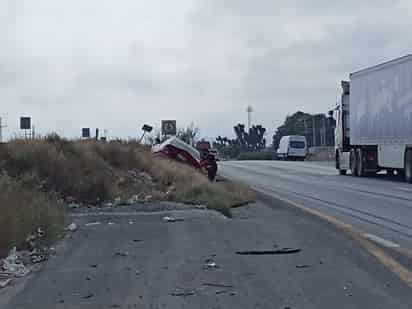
x=178, y=150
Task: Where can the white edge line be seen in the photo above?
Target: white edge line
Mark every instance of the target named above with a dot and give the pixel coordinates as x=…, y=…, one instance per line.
x=381, y=241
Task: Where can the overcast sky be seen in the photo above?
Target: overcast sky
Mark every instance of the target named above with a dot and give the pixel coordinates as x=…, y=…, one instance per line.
x=119, y=64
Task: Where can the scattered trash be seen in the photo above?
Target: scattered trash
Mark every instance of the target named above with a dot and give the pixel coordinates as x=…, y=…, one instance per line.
x=137, y=240
x=38, y=256
x=138, y=272
x=302, y=266
x=209, y=263
x=269, y=252
x=90, y=295
x=133, y=200
x=183, y=292
x=221, y=292
x=88, y=278
x=218, y=285
x=131, y=222
x=93, y=266
x=4, y=282
x=171, y=219
x=13, y=265
x=117, y=201
x=40, y=232
x=123, y=254
x=72, y=227
x=92, y=223
x=320, y=262
x=73, y=205
x=110, y=223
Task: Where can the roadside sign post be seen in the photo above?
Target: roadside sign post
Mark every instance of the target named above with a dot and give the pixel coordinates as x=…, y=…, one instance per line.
x=169, y=127
x=1, y=130
x=85, y=132
x=25, y=124
x=146, y=129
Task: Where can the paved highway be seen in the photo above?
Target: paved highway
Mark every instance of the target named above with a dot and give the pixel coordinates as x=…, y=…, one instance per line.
x=380, y=206
x=137, y=260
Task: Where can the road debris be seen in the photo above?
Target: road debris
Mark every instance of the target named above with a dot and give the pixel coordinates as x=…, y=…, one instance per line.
x=90, y=295
x=209, y=263
x=38, y=256
x=13, y=265
x=122, y=254
x=270, y=252
x=172, y=219
x=4, y=282
x=131, y=222
x=218, y=285
x=137, y=240
x=302, y=266
x=93, y=265
x=110, y=223
x=183, y=292
x=72, y=227
x=92, y=223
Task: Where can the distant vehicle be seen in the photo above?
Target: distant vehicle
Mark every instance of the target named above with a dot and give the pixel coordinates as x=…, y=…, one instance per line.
x=374, y=120
x=292, y=147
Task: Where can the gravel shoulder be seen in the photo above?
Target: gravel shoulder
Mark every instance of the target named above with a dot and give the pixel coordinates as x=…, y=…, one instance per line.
x=142, y=261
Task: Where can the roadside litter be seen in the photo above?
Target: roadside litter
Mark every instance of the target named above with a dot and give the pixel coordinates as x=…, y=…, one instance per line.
x=302, y=266
x=13, y=265
x=218, y=285
x=171, y=219
x=209, y=263
x=92, y=223
x=270, y=252
x=183, y=292
x=72, y=227
x=123, y=254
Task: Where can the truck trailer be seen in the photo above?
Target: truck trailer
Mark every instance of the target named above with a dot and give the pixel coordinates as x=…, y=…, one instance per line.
x=374, y=121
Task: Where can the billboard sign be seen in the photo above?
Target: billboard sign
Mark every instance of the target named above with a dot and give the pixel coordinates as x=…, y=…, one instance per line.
x=25, y=123
x=86, y=132
x=169, y=127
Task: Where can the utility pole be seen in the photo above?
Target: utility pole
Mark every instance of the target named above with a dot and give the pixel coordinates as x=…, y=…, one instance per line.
x=249, y=111
x=324, y=131
x=1, y=130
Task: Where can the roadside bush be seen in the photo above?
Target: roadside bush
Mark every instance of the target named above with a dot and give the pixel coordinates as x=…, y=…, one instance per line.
x=23, y=211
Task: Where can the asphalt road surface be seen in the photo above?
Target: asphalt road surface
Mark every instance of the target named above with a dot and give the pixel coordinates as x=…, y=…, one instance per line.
x=380, y=206
x=141, y=261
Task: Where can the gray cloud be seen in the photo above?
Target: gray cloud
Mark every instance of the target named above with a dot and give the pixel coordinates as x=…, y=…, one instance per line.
x=117, y=65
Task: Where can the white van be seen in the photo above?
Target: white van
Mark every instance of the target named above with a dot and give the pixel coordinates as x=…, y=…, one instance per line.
x=292, y=147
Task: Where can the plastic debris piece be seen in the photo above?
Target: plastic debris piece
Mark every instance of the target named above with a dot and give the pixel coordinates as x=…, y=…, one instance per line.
x=92, y=223
x=183, y=292
x=72, y=227
x=4, y=282
x=171, y=219
x=218, y=285
x=209, y=263
x=123, y=254
x=110, y=223
x=131, y=222
x=40, y=232
x=90, y=295
x=269, y=252
x=302, y=266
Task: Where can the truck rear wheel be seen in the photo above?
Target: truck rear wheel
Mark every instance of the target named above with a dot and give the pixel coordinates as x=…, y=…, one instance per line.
x=353, y=163
x=408, y=166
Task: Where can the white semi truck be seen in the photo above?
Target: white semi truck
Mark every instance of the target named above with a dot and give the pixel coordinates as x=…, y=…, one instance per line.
x=374, y=120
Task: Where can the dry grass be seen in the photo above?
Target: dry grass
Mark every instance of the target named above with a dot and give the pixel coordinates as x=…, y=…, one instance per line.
x=23, y=211
x=93, y=172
